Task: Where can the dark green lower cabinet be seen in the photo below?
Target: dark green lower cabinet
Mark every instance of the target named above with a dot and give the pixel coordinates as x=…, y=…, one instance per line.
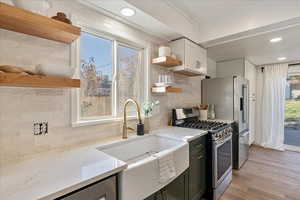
x=192, y=184
x=155, y=196
x=198, y=168
x=176, y=190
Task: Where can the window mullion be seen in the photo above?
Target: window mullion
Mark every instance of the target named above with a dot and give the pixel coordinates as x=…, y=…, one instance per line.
x=115, y=81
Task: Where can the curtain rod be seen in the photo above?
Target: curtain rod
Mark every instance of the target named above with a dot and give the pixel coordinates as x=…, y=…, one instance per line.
x=290, y=65
x=293, y=64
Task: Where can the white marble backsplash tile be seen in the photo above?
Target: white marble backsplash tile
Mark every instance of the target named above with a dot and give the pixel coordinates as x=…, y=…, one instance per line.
x=21, y=107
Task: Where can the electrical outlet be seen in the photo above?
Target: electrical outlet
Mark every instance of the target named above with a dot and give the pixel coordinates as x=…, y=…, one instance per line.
x=40, y=128
x=36, y=129
x=44, y=128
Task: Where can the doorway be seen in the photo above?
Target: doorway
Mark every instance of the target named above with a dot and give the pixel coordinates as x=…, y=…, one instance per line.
x=292, y=112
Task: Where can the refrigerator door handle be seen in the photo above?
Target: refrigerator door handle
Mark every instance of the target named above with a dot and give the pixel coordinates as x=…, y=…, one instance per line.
x=241, y=104
x=242, y=109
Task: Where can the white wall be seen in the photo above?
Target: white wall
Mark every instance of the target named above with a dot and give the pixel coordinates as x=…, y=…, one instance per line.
x=21, y=107
x=230, y=68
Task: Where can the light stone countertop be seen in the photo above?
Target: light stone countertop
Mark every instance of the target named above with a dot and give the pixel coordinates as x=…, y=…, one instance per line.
x=50, y=175
x=186, y=134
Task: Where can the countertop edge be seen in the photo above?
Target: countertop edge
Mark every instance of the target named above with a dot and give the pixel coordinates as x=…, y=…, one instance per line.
x=82, y=184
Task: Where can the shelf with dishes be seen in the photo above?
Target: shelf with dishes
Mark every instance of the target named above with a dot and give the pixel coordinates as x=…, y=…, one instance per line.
x=165, y=84
x=24, y=21
x=165, y=89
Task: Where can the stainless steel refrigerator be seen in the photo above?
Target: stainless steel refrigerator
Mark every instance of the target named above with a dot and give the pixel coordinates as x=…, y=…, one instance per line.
x=230, y=97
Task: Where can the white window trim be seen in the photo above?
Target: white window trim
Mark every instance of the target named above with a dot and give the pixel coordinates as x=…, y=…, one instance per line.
x=75, y=93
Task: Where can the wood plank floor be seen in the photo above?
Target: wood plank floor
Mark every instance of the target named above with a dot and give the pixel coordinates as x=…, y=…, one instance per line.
x=267, y=175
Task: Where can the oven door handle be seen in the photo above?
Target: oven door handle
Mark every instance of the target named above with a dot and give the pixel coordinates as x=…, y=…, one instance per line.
x=223, y=141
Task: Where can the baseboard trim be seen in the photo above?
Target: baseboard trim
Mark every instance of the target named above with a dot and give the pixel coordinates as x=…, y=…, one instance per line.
x=292, y=148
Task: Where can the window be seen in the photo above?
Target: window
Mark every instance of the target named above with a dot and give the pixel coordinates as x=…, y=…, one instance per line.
x=96, y=71
x=128, y=63
x=110, y=73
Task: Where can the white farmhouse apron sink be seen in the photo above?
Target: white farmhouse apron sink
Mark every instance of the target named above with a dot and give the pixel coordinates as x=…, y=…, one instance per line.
x=141, y=178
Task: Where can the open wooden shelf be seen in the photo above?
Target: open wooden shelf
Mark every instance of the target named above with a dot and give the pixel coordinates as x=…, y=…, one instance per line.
x=166, y=61
x=23, y=21
x=187, y=73
x=165, y=89
x=21, y=80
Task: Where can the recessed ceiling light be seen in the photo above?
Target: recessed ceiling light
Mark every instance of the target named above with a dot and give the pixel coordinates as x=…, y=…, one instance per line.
x=281, y=58
x=128, y=12
x=276, y=39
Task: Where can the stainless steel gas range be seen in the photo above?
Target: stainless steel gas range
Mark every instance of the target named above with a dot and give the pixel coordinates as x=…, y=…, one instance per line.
x=220, y=148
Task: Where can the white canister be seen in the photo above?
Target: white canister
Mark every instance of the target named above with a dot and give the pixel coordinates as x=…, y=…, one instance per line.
x=203, y=114
x=164, y=51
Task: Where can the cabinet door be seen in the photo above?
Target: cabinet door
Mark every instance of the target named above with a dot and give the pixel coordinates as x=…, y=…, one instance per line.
x=178, y=48
x=195, y=57
x=188, y=54
x=177, y=189
x=104, y=190
x=203, y=59
x=198, y=166
x=153, y=196
x=156, y=196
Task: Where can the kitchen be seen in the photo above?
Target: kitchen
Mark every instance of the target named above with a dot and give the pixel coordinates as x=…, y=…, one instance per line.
x=61, y=142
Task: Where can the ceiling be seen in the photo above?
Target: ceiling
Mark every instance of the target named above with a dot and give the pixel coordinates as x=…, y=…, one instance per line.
x=259, y=50
x=228, y=28
x=220, y=18
x=140, y=20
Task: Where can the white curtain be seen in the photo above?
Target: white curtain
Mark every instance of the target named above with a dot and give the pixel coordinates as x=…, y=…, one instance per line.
x=271, y=84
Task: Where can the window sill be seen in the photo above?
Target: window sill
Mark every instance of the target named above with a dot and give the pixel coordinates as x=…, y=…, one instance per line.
x=93, y=122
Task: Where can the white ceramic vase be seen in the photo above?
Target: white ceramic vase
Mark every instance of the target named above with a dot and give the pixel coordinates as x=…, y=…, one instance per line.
x=147, y=125
x=55, y=70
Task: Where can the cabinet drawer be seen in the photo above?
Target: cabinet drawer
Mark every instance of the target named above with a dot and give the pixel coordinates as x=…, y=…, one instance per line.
x=198, y=145
x=104, y=190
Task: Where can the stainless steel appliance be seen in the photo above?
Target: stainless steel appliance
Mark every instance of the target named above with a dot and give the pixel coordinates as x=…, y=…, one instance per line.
x=219, y=145
x=230, y=97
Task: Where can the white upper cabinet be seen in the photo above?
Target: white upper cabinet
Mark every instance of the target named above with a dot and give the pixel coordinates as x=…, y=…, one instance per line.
x=193, y=57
